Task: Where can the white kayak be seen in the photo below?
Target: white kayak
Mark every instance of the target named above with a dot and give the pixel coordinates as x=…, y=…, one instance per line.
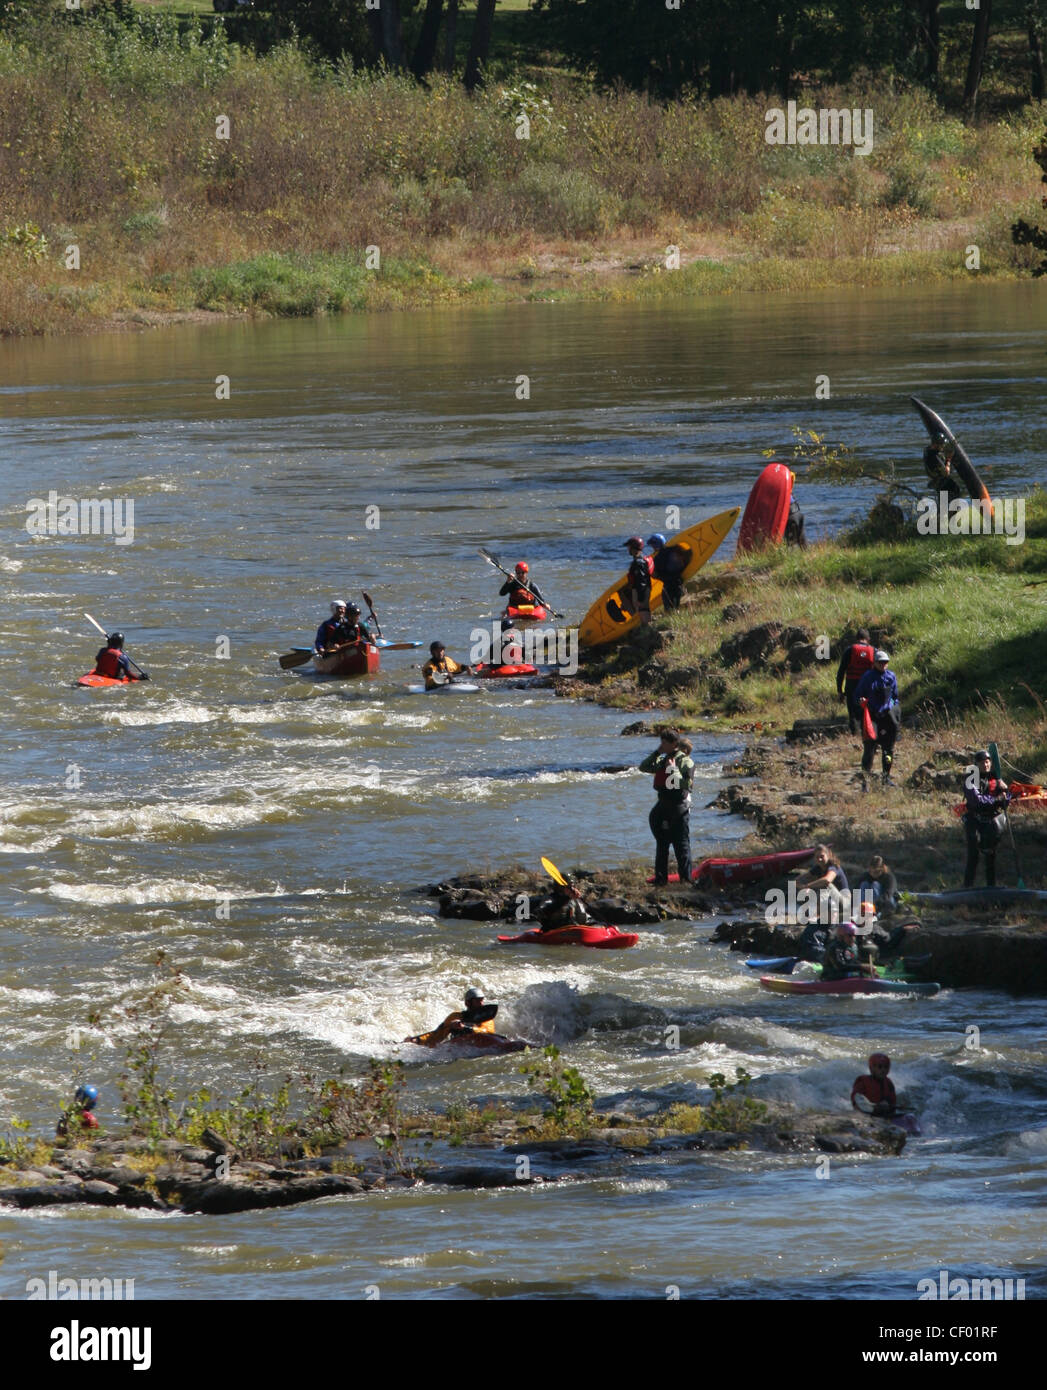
x=461, y=687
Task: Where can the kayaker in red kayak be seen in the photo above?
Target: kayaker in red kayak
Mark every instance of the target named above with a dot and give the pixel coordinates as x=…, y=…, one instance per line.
x=877, y=1088
x=564, y=907
x=986, y=797
x=440, y=668
x=112, y=662
x=476, y=1017
x=857, y=658
x=670, y=817
x=519, y=591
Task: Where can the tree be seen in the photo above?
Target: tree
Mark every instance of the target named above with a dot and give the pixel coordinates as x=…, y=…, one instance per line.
x=480, y=45
x=979, y=44
x=1027, y=233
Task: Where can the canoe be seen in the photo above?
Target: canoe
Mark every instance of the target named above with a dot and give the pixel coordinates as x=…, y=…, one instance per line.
x=700, y=541
x=604, y=938
x=965, y=469
x=767, y=510
x=527, y=613
x=360, y=661
x=966, y=897
x=498, y=672
x=95, y=681
x=784, y=984
x=720, y=872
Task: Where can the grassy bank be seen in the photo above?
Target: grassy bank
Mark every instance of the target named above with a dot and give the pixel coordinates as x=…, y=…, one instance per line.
x=109, y=143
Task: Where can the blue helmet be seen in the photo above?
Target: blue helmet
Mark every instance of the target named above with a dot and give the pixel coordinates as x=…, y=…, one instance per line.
x=87, y=1096
x=657, y=539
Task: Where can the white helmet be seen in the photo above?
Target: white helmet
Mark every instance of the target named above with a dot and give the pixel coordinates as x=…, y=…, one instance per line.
x=336, y=604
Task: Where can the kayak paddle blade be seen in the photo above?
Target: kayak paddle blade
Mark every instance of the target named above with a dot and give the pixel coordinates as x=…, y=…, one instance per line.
x=297, y=658
x=553, y=872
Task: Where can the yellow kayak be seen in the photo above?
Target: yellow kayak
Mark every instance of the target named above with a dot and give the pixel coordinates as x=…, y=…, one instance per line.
x=598, y=627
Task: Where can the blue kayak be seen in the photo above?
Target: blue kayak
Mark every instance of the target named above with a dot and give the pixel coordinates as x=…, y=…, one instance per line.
x=773, y=965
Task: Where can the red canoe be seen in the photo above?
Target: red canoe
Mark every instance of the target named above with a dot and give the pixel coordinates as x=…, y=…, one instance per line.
x=767, y=509
x=606, y=938
x=358, y=661
x=721, y=872
x=492, y=672
x=528, y=613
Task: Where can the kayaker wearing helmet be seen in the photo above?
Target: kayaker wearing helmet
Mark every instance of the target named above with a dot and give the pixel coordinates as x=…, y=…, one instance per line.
x=440, y=668
x=670, y=817
x=983, y=821
x=878, y=689
x=476, y=1017
x=328, y=634
x=877, y=1088
x=841, y=961
x=78, y=1116
x=937, y=461
x=563, y=907
x=342, y=629
x=857, y=658
x=634, y=597
x=668, y=563
x=519, y=591
x=111, y=660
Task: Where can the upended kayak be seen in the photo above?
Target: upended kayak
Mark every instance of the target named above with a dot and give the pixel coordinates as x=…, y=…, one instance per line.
x=95, y=681
x=783, y=984
x=604, y=938
x=965, y=469
x=767, y=510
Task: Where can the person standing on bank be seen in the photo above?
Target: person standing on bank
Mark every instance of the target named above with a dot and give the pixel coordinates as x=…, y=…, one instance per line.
x=670, y=818
x=670, y=561
x=857, y=658
x=878, y=689
x=986, y=797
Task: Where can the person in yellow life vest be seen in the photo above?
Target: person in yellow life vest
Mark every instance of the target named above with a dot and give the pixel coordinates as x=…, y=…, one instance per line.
x=440, y=667
x=476, y=1017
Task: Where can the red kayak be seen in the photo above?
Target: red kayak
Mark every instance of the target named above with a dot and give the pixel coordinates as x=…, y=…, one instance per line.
x=356, y=661
x=491, y=672
x=92, y=679
x=767, y=510
x=527, y=612
x=606, y=938
x=718, y=873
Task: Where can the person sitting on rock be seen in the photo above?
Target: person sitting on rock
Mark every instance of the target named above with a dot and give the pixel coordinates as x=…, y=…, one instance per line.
x=877, y=1089
x=476, y=1017
x=79, y=1116
x=986, y=797
x=826, y=878
x=563, y=907
x=879, y=887
x=841, y=960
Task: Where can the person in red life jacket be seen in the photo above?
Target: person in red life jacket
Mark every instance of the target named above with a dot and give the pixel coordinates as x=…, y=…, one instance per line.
x=111, y=660
x=634, y=597
x=520, y=593
x=878, y=688
x=670, y=817
x=877, y=1088
x=986, y=797
x=79, y=1116
x=667, y=564
x=856, y=660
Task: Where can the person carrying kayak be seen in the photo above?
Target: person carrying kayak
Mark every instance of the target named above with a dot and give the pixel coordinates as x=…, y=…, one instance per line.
x=857, y=658
x=878, y=690
x=519, y=591
x=564, y=907
x=668, y=564
x=794, y=526
x=634, y=597
x=670, y=817
x=877, y=1088
x=440, y=668
x=476, y=1017
x=937, y=462
x=987, y=798
x=79, y=1116
x=111, y=661
x=826, y=878
x=841, y=960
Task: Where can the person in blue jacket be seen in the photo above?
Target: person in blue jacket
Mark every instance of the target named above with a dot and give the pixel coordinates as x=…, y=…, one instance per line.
x=878, y=689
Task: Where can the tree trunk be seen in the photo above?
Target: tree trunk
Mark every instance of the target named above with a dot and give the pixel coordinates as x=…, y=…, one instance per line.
x=932, y=39
x=481, y=44
x=386, y=34
x=979, y=44
x=425, y=53
x=1035, y=58
x=450, y=35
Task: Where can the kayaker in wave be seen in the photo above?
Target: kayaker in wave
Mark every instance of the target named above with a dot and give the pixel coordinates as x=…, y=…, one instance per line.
x=878, y=688
x=876, y=1088
x=440, y=669
x=983, y=821
x=111, y=661
x=476, y=1017
x=670, y=817
x=564, y=907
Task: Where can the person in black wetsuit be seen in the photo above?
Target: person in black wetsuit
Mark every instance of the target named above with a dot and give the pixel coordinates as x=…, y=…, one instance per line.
x=562, y=908
x=635, y=595
x=670, y=817
x=879, y=886
x=794, y=526
x=937, y=462
x=669, y=562
x=986, y=797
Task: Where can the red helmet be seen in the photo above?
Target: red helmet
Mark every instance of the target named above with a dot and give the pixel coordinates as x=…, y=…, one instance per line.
x=634, y=541
x=522, y=566
x=881, y=1058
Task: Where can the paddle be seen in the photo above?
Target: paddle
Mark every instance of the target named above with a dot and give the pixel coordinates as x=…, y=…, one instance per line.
x=298, y=657
x=531, y=589
x=370, y=609
x=994, y=754
x=553, y=872
x=143, y=674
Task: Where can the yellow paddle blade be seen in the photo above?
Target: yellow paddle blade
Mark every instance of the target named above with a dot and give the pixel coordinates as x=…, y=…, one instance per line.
x=553, y=872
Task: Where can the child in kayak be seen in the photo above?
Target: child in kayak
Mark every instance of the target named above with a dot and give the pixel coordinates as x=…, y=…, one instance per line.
x=877, y=1088
x=440, y=668
x=563, y=907
x=476, y=1017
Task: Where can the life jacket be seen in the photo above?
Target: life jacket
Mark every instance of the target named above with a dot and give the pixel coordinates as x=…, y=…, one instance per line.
x=108, y=663
x=521, y=598
x=875, y=1090
x=665, y=791
x=859, y=661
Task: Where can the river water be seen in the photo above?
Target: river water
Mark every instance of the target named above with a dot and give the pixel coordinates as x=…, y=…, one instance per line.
x=269, y=830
